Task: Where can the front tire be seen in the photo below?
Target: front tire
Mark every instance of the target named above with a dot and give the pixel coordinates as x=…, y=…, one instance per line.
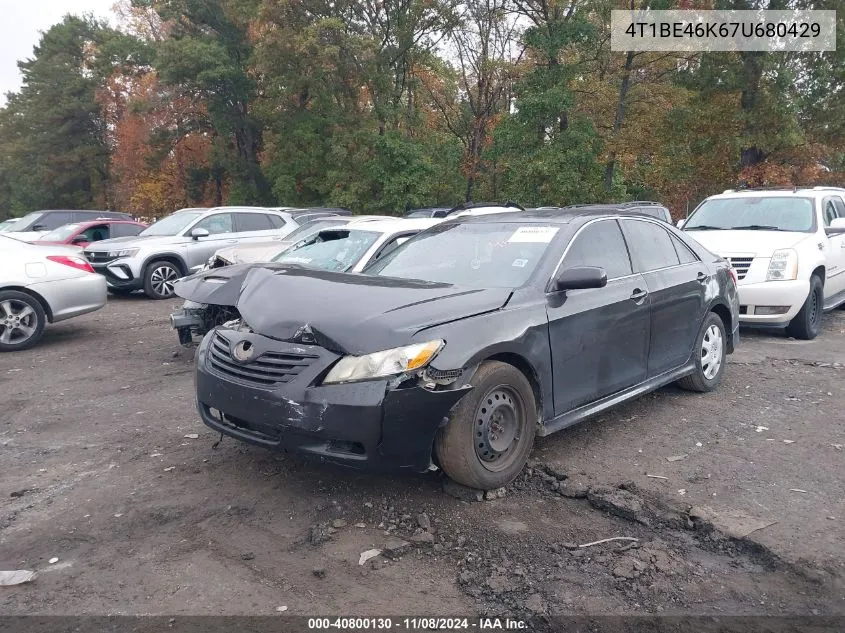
x=808, y=322
x=160, y=278
x=491, y=431
x=22, y=321
x=710, y=353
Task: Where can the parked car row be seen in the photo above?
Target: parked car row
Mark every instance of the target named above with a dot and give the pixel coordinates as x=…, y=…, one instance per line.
x=451, y=340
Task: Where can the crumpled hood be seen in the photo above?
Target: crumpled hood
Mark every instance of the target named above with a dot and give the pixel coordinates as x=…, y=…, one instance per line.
x=348, y=313
x=757, y=243
x=353, y=313
x=253, y=252
x=218, y=286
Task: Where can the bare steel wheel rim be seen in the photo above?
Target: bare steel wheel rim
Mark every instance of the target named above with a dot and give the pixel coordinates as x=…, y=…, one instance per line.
x=163, y=279
x=499, y=425
x=814, y=311
x=18, y=322
x=711, y=352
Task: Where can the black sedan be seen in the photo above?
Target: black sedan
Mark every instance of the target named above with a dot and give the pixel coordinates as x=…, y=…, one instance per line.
x=465, y=343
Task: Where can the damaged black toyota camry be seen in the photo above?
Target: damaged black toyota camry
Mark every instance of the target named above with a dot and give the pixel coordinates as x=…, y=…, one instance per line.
x=462, y=345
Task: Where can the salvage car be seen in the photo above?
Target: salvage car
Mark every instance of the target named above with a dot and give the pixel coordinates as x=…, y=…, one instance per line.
x=33, y=225
x=84, y=233
x=349, y=247
x=788, y=249
x=40, y=285
x=265, y=251
x=459, y=347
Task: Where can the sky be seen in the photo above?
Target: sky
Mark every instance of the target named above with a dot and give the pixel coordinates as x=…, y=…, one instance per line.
x=21, y=28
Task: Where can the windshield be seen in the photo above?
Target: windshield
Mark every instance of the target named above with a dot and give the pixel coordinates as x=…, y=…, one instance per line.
x=61, y=233
x=335, y=250
x=309, y=228
x=25, y=222
x=755, y=214
x=172, y=224
x=489, y=255
x=6, y=224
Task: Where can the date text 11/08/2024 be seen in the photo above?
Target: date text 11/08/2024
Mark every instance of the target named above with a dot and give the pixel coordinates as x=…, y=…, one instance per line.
x=417, y=624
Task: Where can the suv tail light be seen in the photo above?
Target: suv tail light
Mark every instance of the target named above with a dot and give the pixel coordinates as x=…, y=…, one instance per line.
x=72, y=261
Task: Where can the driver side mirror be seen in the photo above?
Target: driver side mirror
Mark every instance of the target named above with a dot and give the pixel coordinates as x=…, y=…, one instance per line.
x=198, y=233
x=79, y=239
x=680, y=223
x=837, y=227
x=580, y=278
x=38, y=227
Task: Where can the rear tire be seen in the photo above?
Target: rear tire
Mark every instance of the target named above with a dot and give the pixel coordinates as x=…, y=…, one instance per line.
x=22, y=321
x=491, y=431
x=808, y=322
x=710, y=353
x=159, y=278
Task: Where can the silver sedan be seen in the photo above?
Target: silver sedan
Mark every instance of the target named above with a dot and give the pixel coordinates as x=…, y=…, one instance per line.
x=40, y=285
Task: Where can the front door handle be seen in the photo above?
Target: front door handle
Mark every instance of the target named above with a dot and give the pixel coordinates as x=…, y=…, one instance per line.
x=231, y=241
x=639, y=296
x=701, y=277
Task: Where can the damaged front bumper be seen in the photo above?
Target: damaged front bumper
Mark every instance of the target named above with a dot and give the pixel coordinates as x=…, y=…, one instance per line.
x=275, y=400
x=188, y=321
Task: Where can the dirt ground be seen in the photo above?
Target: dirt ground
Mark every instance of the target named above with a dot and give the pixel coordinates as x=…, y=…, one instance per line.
x=736, y=498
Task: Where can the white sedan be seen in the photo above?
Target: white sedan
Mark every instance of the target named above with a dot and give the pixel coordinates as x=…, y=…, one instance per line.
x=40, y=285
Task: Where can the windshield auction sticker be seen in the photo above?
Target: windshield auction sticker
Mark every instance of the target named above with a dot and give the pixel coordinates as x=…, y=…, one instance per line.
x=535, y=234
x=690, y=31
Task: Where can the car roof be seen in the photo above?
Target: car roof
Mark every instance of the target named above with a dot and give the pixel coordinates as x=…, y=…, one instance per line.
x=778, y=192
x=554, y=215
x=394, y=226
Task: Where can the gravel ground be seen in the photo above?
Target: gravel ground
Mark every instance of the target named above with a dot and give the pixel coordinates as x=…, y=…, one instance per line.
x=107, y=468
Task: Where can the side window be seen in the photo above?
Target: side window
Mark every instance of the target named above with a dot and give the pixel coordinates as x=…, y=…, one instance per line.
x=126, y=230
x=830, y=212
x=96, y=233
x=216, y=224
x=651, y=245
x=276, y=221
x=52, y=221
x=840, y=206
x=600, y=244
x=684, y=252
x=253, y=222
x=390, y=245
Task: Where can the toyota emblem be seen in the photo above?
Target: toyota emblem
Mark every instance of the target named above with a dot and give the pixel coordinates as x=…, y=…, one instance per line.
x=243, y=352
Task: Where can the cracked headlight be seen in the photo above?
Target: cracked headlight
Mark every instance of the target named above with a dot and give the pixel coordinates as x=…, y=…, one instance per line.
x=783, y=265
x=127, y=252
x=390, y=362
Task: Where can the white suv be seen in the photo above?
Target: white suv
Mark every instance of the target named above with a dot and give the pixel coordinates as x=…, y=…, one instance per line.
x=787, y=247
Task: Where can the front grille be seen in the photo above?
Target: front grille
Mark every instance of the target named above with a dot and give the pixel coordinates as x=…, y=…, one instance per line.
x=268, y=369
x=740, y=265
x=99, y=257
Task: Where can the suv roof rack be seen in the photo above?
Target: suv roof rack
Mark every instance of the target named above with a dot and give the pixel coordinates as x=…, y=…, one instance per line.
x=792, y=188
x=477, y=205
x=614, y=205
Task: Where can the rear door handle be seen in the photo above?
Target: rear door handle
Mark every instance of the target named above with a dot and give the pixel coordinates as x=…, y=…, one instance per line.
x=231, y=241
x=639, y=295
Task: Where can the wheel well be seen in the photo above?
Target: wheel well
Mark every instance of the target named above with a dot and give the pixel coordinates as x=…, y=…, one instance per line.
x=176, y=261
x=528, y=371
x=725, y=314
x=35, y=296
x=818, y=272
